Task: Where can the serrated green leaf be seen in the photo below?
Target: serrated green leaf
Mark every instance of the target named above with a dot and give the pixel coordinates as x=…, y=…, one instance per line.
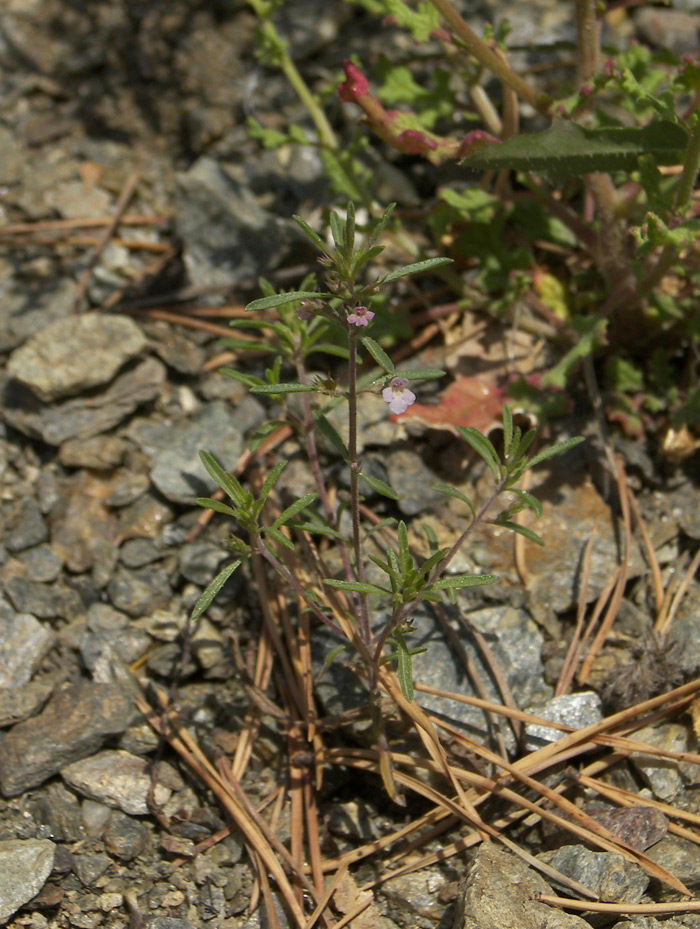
x=557, y=449
x=415, y=268
x=378, y=354
x=213, y=589
x=380, y=487
x=209, y=504
x=283, y=389
x=521, y=530
x=460, y=581
x=227, y=482
x=568, y=148
x=450, y=491
x=483, y=447
x=267, y=303
x=293, y=509
x=356, y=586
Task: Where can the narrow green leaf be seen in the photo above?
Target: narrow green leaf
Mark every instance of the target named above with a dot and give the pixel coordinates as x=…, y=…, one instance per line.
x=217, y=505
x=431, y=537
x=329, y=432
x=529, y=499
x=404, y=667
x=385, y=523
x=248, y=379
x=337, y=231
x=378, y=354
x=450, y=491
x=366, y=256
x=328, y=348
x=266, y=303
x=507, y=430
x=404, y=554
x=524, y=443
x=262, y=432
x=415, y=268
x=311, y=233
x=213, y=589
x=270, y=482
x=330, y=658
x=557, y=449
x=357, y=586
x=247, y=345
x=279, y=537
x=295, y=508
x=349, y=227
x=521, y=530
x=483, y=447
x=459, y=581
x=380, y=487
x=422, y=374
x=319, y=529
x=283, y=389
x=381, y=225
x=227, y=482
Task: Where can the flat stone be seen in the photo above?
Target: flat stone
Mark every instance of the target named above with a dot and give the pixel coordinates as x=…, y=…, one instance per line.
x=73, y=725
x=42, y=563
x=125, y=837
x=25, y=865
x=43, y=600
x=411, y=479
x=26, y=527
x=178, y=472
x=24, y=643
x=139, y=591
x=81, y=519
x=578, y=710
x=611, y=877
x=116, y=778
x=498, y=892
x=662, y=775
x=100, y=452
x=83, y=417
x=75, y=354
x=18, y=703
x=679, y=857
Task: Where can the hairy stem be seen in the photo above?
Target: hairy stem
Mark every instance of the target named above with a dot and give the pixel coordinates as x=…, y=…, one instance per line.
x=588, y=46
x=490, y=60
x=363, y=614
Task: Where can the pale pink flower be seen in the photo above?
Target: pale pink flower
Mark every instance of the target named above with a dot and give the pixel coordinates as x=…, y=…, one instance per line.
x=360, y=316
x=398, y=396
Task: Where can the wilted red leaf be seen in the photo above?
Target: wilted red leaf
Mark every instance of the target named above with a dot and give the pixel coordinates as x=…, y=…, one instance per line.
x=466, y=402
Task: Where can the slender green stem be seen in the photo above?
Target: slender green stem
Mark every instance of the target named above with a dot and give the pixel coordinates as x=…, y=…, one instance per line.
x=490, y=60
x=363, y=614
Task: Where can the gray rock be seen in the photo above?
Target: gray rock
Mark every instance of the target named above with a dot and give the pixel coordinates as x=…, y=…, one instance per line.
x=26, y=528
x=227, y=237
x=136, y=553
x=611, y=877
x=75, y=354
x=577, y=710
x=662, y=775
x=25, y=865
x=73, y=725
x=57, y=811
x=42, y=563
x=18, y=703
x=411, y=479
x=101, y=452
x=177, y=470
x=125, y=837
x=27, y=308
x=139, y=591
x=116, y=778
x=497, y=893
x=89, y=867
x=55, y=423
x=679, y=857
x=672, y=29
x=44, y=600
x=24, y=642
x=199, y=562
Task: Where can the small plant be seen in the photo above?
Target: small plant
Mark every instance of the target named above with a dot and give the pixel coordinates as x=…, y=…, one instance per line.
x=345, y=604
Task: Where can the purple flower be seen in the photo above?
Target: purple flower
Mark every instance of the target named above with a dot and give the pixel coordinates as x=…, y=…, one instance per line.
x=360, y=316
x=398, y=396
